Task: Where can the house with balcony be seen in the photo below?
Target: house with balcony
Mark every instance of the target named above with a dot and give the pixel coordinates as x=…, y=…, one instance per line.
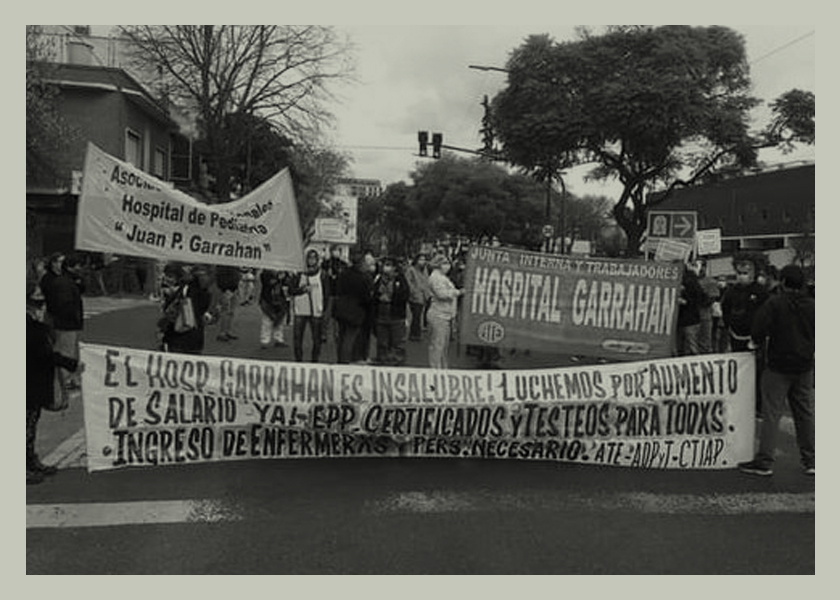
x=108, y=106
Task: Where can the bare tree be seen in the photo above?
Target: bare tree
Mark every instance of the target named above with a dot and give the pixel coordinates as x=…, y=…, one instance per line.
x=281, y=73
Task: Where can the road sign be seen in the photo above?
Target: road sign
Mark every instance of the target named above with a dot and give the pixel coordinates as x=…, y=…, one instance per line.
x=673, y=224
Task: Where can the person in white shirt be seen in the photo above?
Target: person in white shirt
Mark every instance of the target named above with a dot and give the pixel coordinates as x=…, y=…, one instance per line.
x=309, y=292
x=442, y=311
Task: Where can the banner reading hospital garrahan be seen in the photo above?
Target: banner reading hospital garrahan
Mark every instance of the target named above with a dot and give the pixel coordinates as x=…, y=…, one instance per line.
x=145, y=408
x=614, y=308
x=123, y=210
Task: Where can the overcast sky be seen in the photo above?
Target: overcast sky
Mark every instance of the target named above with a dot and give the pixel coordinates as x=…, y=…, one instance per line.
x=417, y=78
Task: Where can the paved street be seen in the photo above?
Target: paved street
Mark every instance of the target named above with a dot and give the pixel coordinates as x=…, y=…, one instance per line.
x=400, y=516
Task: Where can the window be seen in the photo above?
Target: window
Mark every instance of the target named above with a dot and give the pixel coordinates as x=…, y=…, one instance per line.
x=159, y=164
x=133, y=148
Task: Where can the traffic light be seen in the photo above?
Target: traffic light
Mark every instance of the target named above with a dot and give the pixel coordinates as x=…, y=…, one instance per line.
x=423, y=138
x=437, y=141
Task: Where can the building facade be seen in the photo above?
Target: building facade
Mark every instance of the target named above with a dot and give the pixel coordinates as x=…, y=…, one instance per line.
x=771, y=211
x=103, y=104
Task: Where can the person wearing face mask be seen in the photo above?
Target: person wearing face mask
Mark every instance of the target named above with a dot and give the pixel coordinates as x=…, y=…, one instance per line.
x=741, y=301
x=309, y=291
x=739, y=306
x=786, y=325
x=442, y=310
x=417, y=277
x=390, y=307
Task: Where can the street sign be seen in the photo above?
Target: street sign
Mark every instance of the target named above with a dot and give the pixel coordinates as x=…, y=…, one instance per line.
x=708, y=242
x=673, y=224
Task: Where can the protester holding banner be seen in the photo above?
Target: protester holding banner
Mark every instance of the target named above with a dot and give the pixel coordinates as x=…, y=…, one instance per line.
x=41, y=362
x=309, y=291
x=417, y=276
x=442, y=311
x=786, y=323
x=353, y=296
x=62, y=287
x=390, y=306
x=186, y=311
x=274, y=304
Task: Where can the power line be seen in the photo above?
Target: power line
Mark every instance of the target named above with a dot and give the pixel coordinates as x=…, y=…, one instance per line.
x=782, y=47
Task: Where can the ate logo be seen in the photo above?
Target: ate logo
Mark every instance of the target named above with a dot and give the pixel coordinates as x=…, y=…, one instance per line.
x=491, y=332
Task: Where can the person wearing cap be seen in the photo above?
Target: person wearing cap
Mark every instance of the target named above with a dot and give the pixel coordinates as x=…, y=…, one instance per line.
x=41, y=362
x=786, y=324
x=442, y=310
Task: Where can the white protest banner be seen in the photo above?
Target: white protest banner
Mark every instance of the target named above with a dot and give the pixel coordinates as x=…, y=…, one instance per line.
x=145, y=408
x=669, y=250
x=123, y=210
x=708, y=242
x=341, y=229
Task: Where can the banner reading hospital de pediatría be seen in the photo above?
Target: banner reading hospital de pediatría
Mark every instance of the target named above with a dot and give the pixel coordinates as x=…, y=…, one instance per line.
x=123, y=210
x=148, y=409
x=614, y=308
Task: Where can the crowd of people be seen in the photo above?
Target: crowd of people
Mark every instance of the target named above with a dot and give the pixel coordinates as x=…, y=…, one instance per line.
x=397, y=300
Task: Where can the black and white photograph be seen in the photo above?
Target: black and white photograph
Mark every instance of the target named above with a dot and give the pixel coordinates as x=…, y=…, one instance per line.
x=492, y=298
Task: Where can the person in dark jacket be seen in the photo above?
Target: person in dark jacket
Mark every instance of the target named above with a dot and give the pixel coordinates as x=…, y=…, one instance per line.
x=352, y=308
x=786, y=324
x=390, y=308
x=741, y=300
x=41, y=362
x=187, y=337
x=62, y=287
x=333, y=266
x=691, y=299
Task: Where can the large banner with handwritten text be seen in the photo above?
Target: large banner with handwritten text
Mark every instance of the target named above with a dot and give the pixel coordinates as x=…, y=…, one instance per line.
x=614, y=308
x=144, y=408
x=123, y=210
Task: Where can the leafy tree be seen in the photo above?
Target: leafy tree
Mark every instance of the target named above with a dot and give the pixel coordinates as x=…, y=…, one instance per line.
x=315, y=171
x=264, y=152
x=474, y=198
x=645, y=105
x=224, y=74
x=47, y=133
x=468, y=198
